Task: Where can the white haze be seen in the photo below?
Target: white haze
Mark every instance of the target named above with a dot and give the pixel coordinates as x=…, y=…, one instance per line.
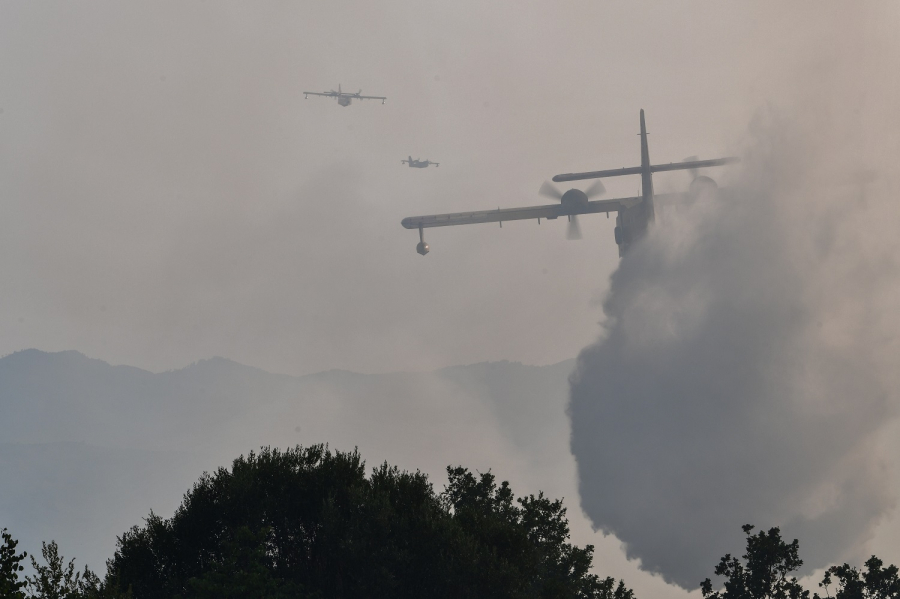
x=748, y=364
x=168, y=195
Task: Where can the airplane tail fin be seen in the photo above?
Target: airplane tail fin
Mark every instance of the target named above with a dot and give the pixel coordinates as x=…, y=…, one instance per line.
x=645, y=153
x=645, y=169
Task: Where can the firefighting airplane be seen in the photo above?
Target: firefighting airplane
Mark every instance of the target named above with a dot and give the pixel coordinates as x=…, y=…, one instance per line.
x=634, y=214
x=416, y=163
x=343, y=98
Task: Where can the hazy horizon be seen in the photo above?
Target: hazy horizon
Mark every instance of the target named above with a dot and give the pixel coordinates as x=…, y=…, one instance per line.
x=172, y=196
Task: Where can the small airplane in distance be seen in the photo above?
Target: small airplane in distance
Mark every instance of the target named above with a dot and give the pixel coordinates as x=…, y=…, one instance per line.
x=419, y=163
x=344, y=98
x=634, y=214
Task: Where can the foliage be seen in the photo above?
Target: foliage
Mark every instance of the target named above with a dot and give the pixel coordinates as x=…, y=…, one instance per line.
x=243, y=572
x=769, y=561
x=10, y=585
x=55, y=580
x=764, y=575
x=875, y=582
x=58, y=580
x=309, y=523
x=531, y=536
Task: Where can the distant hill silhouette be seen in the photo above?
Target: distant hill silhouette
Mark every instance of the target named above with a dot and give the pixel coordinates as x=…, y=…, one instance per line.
x=87, y=449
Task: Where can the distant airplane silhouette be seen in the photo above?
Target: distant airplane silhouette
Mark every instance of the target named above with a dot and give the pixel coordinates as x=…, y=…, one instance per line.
x=418, y=163
x=344, y=98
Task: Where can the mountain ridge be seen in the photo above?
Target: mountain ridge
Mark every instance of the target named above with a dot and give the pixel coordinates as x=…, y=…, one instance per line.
x=88, y=448
x=215, y=360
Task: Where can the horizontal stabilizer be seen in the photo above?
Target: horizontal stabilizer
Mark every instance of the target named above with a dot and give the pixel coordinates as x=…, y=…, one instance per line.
x=682, y=166
x=614, y=172
x=636, y=170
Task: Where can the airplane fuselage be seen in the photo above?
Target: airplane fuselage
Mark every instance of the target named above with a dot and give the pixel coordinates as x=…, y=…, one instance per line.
x=414, y=163
x=344, y=100
x=632, y=223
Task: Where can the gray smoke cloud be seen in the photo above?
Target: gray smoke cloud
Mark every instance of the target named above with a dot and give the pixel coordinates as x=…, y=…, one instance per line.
x=746, y=367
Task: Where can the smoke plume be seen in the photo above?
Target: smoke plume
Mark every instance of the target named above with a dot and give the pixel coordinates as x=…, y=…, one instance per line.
x=745, y=368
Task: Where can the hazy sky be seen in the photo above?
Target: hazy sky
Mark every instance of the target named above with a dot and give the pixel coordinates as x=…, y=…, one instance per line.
x=169, y=195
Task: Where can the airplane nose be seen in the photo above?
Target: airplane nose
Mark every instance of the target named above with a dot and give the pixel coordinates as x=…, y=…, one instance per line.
x=574, y=197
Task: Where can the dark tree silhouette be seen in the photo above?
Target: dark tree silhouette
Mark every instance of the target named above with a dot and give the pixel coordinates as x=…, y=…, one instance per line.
x=308, y=522
x=765, y=572
x=875, y=582
x=58, y=580
x=10, y=566
x=769, y=561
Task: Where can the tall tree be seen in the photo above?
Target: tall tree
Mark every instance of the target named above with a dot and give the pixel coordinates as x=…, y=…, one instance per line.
x=10, y=566
x=55, y=579
x=875, y=582
x=769, y=561
x=765, y=572
x=308, y=522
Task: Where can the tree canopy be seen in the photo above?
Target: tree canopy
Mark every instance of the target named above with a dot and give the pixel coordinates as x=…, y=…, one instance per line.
x=10, y=566
x=308, y=522
x=765, y=573
x=55, y=579
x=874, y=582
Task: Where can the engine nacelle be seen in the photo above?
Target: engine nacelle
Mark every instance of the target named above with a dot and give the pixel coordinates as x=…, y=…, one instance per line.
x=422, y=248
x=702, y=185
x=574, y=200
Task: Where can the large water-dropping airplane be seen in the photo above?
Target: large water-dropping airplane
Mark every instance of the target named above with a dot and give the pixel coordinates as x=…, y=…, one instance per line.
x=344, y=98
x=416, y=163
x=634, y=214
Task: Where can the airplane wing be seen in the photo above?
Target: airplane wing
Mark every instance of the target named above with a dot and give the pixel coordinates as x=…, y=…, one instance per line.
x=636, y=170
x=382, y=98
x=320, y=94
x=492, y=216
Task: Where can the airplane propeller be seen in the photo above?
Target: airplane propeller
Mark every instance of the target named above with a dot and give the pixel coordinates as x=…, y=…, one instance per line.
x=700, y=184
x=597, y=189
x=548, y=190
